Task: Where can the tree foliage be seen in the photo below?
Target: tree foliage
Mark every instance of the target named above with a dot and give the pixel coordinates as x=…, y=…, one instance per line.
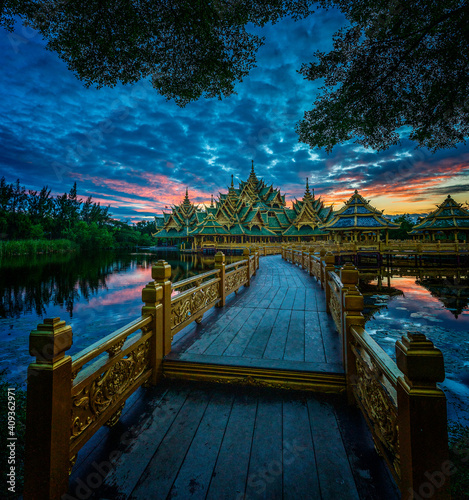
x=399, y=66
x=189, y=48
x=35, y=215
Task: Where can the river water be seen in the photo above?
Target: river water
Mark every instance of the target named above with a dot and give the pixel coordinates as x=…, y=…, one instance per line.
x=99, y=293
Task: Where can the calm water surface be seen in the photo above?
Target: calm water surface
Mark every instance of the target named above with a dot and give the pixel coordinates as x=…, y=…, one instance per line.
x=99, y=293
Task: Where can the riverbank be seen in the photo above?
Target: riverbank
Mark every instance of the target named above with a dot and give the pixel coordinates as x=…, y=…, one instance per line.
x=33, y=247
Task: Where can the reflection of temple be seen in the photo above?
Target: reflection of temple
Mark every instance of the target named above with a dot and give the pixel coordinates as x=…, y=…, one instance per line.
x=451, y=291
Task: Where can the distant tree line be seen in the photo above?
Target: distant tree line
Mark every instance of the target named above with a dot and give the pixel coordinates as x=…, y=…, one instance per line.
x=36, y=215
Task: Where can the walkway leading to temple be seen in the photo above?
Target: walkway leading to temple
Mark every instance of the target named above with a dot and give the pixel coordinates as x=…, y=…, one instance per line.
x=279, y=322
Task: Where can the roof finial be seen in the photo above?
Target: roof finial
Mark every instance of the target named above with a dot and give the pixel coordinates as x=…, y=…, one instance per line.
x=307, y=196
x=211, y=202
x=232, y=180
x=252, y=166
x=186, y=199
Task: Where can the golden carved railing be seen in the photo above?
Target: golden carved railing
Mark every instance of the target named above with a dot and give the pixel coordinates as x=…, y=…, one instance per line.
x=404, y=408
x=335, y=299
x=69, y=399
x=192, y=303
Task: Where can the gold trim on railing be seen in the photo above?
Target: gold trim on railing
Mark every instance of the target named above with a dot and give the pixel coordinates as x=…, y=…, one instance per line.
x=235, y=279
x=109, y=344
x=186, y=305
x=197, y=280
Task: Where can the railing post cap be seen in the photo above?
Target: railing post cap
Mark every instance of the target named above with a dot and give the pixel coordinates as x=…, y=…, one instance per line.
x=161, y=271
x=219, y=258
x=419, y=359
x=50, y=340
x=152, y=293
x=246, y=251
x=329, y=258
x=349, y=274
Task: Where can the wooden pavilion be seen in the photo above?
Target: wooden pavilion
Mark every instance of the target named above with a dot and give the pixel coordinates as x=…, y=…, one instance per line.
x=450, y=221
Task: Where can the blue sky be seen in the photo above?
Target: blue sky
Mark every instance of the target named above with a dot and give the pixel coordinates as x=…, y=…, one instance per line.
x=130, y=148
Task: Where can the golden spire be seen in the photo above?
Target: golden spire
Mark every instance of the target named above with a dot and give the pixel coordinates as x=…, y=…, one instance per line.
x=252, y=176
x=211, y=202
x=307, y=196
x=186, y=198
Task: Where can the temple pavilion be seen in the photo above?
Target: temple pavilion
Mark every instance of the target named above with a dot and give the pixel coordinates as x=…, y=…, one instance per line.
x=450, y=220
x=357, y=220
x=253, y=212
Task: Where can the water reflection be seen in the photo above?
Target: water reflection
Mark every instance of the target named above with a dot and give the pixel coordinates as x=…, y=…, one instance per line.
x=32, y=284
x=433, y=302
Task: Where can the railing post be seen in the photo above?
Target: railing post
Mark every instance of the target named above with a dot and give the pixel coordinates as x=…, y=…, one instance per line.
x=246, y=256
x=152, y=296
x=257, y=260
x=48, y=407
x=422, y=419
x=161, y=273
x=352, y=307
x=220, y=264
x=329, y=261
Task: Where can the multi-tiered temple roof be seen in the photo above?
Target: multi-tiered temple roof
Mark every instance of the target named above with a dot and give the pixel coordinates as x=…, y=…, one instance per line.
x=449, y=216
x=251, y=209
x=358, y=215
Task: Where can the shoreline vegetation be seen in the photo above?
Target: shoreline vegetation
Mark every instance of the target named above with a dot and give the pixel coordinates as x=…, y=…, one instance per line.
x=33, y=222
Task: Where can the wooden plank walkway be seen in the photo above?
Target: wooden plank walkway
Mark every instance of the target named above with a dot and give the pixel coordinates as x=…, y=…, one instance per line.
x=204, y=441
x=279, y=322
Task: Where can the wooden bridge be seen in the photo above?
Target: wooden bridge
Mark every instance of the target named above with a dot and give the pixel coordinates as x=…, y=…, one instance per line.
x=260, y=382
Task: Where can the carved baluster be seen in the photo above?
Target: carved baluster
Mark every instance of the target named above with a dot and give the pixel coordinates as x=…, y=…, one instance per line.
x=49, y=401
x=328, y=266
x=161, y=273
x=220, y=264
x=422, y=419
x=152, y=296
x=246, y=256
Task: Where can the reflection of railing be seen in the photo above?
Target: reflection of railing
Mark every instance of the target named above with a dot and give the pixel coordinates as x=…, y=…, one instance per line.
x=69, y=399
x=402, y=405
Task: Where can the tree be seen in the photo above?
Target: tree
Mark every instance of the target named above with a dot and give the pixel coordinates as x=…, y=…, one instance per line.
x=406, y=226
x=400, y=65
x=189, y=48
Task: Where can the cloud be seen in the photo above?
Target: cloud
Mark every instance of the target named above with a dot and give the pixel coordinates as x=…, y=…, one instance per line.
x=130, y=148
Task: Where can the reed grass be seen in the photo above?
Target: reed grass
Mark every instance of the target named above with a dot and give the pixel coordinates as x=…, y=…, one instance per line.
x=32, y=247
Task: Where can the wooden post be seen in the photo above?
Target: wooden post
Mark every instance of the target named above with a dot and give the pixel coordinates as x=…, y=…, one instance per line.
x=352, y=308
x=152, y=296
x=220, y=264
x=328, y=266
x=257, y=260
x=422, y=420
x=48, y=410
x=246, y=256
x=161, y=273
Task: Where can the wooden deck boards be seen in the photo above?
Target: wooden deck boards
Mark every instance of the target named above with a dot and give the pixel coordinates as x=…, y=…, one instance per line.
x=280, y=317
x=197, y=441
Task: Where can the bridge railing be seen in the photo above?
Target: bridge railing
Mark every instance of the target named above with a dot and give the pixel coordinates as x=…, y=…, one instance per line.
x=404, y=408
x=70, y=398
x=392, y=247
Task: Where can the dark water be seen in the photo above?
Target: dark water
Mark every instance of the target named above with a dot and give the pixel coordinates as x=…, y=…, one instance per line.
x=96, y=294
x=433, y=302
x=99, y=293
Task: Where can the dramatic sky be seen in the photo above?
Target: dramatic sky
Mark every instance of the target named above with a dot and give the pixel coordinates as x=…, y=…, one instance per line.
x=131, y=149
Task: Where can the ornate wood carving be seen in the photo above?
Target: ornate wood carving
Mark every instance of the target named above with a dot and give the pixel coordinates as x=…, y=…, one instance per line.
x=189, y=304
x=106, y=390
x=336, y=312
x=380, y=410
x=235, y=279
